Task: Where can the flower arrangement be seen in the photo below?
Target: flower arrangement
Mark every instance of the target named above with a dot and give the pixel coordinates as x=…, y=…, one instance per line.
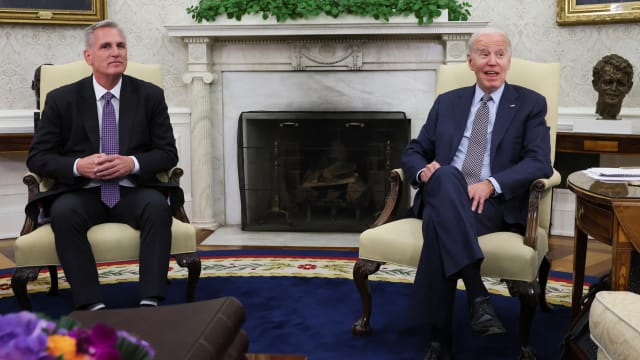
x=27, y=336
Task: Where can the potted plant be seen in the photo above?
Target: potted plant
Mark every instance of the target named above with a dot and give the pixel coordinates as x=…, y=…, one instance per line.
x=425, y=11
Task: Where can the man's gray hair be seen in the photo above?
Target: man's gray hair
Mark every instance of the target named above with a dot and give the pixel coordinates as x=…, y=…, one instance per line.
x=484, y=31
x=88, y=32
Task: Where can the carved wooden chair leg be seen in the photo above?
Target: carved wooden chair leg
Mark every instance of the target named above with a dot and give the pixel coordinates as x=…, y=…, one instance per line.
x=527, y=293
x=21, y=276
x=361, y=271
x=192, y=262
x=53, y=275
x=543, y=276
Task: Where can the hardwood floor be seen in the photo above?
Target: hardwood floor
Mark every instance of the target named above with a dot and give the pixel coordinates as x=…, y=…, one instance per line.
x=560, y=248
x=598, y=261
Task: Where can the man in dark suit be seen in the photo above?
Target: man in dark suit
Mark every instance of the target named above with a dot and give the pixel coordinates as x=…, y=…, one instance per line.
x=103, y=139
x=461, y=196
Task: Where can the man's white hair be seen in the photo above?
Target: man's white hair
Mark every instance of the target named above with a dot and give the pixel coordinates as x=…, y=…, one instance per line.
x=485, y=31
x=88, y=32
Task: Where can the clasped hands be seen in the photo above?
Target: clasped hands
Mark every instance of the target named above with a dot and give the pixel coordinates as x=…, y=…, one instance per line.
x=105, y=167
x=478, y=192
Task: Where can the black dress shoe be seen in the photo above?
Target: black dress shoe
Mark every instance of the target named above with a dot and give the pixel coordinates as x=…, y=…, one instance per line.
x=436, y=351
x=484, y=320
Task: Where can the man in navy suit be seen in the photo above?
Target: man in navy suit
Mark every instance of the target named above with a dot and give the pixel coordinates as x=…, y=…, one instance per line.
x=69, y=147
x=455, y=211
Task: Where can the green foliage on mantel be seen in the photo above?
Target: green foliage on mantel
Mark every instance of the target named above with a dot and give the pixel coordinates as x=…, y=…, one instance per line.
x=424, y=10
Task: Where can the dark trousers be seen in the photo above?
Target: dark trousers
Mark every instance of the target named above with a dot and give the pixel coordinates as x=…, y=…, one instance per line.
x=450, y=233
x=145, y=209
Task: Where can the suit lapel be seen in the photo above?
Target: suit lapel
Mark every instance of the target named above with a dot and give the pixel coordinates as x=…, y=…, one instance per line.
x=506, y=110
x=88, y=107
x=128, y=101
x=460, y=111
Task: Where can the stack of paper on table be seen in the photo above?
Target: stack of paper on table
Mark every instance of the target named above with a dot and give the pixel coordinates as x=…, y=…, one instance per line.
x=614, y=174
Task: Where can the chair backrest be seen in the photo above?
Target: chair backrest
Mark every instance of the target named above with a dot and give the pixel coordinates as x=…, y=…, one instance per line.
x=54, y=76
x=541, y=77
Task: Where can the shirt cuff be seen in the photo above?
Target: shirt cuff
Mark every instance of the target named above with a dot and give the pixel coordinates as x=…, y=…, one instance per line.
x=136, y=165
x=416, y=184
x=496, y=187
x=75, y=168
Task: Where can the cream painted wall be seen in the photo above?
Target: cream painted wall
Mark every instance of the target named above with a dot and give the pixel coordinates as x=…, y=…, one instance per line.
x=26, y=46
x=530, y=24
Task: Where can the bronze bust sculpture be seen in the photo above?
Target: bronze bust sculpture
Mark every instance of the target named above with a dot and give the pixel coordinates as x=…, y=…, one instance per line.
x=612, y=79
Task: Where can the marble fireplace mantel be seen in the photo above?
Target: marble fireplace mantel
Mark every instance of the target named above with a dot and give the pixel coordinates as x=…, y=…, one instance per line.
x=228, y=52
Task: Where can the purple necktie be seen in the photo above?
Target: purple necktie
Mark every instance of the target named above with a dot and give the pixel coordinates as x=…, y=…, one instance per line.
x=110, y=189
x=472, y=164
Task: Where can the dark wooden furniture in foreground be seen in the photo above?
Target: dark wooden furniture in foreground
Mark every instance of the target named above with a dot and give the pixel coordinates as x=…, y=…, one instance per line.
x=15, y=142
x=597, y=143
x=202, y=330
x=610, y=213
x=275, y=357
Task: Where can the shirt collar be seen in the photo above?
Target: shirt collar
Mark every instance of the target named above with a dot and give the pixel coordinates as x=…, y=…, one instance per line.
x=100, y=91
x=495, y=96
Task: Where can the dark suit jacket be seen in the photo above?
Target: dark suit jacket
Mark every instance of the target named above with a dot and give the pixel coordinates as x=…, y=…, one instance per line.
x=520, y=146
x=69, y=130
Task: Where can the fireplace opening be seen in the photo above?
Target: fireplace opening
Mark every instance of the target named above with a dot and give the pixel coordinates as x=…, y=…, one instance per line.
x=317, y=171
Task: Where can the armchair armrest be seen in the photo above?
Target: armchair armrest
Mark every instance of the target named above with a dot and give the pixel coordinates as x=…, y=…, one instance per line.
x=396, y=178
x=537, y=190
x=554, y=180
x=174, y=174
x=36, y=183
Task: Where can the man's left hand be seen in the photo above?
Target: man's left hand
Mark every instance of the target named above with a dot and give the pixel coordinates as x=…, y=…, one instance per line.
x=113, y=167
x=478, y=193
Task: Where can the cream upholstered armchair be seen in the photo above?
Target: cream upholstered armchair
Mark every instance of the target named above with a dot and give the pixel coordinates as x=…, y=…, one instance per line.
x=614, y=322
x=35, y=247
x=518, y=260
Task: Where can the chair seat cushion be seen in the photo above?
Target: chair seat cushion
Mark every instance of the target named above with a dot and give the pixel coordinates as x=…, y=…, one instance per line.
x=400, y=242
x=614, y=321
x=109, y=242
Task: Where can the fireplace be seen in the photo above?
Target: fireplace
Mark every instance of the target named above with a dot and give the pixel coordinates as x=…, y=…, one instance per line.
x=234, y=66
x=316, y=171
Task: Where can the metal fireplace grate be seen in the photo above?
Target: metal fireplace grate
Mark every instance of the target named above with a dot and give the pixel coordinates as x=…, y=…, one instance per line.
x=316, y=171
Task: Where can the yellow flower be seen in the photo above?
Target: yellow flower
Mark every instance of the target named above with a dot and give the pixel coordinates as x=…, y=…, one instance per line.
x=65, y=346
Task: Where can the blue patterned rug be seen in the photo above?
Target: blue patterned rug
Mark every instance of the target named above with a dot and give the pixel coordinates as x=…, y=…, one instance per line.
x=304, y=302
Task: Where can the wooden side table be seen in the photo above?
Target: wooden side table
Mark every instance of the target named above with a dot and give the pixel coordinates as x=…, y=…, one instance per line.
x=597, y=143
x=610, y=213
x=15, y=142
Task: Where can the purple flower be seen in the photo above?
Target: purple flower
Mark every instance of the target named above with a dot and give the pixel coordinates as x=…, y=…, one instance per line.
x=23, y=336
x=100, y=342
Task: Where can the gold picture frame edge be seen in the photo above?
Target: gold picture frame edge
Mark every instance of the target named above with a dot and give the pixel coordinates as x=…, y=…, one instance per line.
x=59, y=17
x=568, y=13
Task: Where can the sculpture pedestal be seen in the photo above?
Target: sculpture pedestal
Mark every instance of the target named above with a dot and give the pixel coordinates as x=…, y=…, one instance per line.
x=600, y=126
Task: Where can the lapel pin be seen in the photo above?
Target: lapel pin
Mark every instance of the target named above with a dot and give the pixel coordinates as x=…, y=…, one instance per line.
x=512, y=105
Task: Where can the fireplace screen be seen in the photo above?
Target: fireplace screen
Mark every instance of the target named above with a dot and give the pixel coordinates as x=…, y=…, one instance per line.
x=317, y=171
